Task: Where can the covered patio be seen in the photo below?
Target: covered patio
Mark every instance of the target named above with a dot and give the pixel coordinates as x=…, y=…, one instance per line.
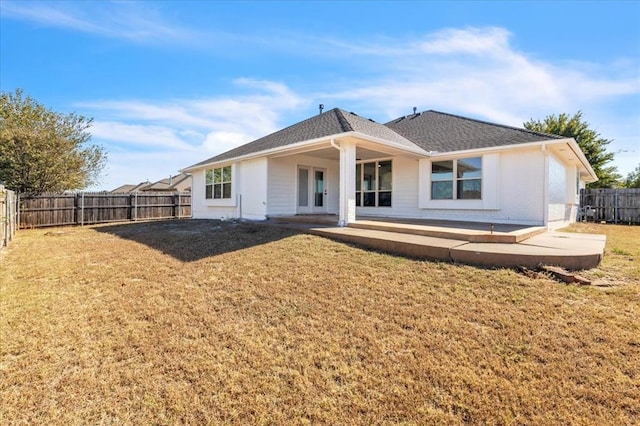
x=359, y=182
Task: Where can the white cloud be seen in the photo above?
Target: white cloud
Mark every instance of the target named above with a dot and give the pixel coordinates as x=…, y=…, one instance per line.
x=149, y=138
x=177, y=113
x=133, y=21
x=136, y=167
x=475, y=71
x=136, y=135
x=218, y=142
x=475, y=41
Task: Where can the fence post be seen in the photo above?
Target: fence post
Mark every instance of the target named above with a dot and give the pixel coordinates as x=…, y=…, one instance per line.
x=3, y=219
x=615, y=206
x=7, y=217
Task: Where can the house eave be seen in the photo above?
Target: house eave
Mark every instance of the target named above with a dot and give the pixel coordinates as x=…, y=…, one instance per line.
x=573, y=145
x=308, y=144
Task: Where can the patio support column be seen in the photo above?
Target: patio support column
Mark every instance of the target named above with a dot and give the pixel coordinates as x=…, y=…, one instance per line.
x=347, y=183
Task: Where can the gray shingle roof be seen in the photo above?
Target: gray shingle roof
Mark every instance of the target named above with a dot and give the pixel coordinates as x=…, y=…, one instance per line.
x=438, y=131
x=429, y=130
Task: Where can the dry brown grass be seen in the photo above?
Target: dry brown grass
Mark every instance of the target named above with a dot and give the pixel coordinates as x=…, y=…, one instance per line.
x=621, y=263
x=204, y=322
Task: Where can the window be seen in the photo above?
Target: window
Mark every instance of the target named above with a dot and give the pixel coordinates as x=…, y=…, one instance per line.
x=457, y=179
x=373, y=184
x=218, y=183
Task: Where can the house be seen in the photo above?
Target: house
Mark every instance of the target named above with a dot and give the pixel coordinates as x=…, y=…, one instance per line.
x=127, y=188
x=427, y=165
x=178, y=183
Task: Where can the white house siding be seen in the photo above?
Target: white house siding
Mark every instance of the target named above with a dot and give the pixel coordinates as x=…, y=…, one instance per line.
x=521, y=184
x=563, y=198
x=199, y=208
x=511, y=191
x=252, y=189
x=249, y=189
x=283, y=180
x=557, y=189
x=404, y=192
x=281, y=187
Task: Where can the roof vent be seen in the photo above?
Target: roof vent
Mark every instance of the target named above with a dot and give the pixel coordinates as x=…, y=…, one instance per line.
x=321, y=107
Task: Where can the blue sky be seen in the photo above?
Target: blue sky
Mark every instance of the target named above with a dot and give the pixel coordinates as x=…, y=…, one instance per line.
x=172, y=83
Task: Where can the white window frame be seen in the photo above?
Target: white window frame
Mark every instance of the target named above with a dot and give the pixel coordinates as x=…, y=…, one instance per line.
x=491, y=184
x=220, y=202
x=360, y=193
x=455, y=179
x=221, y=184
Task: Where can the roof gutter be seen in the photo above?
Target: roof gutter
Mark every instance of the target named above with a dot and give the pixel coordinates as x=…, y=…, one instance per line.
x=310, y=142
x=569, y=141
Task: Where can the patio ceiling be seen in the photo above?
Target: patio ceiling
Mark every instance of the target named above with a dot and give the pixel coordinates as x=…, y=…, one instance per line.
x=365, y=150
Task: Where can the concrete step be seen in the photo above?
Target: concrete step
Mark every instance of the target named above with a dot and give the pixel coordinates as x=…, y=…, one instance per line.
x=463, y=233
x=417, y=246
x=568, y=250
x=320, y=219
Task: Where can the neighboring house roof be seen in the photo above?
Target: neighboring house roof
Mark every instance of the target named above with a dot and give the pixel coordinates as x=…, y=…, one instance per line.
x=141, y=186
x=441, y=132
x=179, y=182
x=130, y=188
x=332, y=122
x=123, y=188
x=426, y=131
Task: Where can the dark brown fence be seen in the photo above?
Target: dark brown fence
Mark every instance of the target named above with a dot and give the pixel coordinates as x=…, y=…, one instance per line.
x=85, y=208
x=611, y=205
x=8, y=216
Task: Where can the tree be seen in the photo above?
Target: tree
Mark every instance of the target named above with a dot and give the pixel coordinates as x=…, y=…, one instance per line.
x=592, y=144
x=45, y=151
x=633, y=179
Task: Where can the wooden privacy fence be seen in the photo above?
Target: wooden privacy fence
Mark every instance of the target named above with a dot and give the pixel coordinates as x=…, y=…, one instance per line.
x=84, y=208
x=612, y=205
x=8, y=216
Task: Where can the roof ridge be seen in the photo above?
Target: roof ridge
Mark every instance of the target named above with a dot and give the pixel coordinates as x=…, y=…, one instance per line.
x=521, y=129
x=344, y=122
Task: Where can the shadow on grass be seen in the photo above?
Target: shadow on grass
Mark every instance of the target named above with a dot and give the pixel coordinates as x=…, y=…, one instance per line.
x=195, y=239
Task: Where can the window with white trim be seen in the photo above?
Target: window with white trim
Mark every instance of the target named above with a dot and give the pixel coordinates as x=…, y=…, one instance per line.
x=373, y=184
x=457, y=179
x=218, y=183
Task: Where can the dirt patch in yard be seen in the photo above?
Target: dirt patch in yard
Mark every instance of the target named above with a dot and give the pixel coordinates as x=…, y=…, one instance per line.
x=208, y=322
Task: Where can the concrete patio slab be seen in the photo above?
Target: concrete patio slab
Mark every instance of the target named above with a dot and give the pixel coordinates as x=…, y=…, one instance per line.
x=394, y=242
x=515, y=245
x=567, y=252
x=477, y=233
